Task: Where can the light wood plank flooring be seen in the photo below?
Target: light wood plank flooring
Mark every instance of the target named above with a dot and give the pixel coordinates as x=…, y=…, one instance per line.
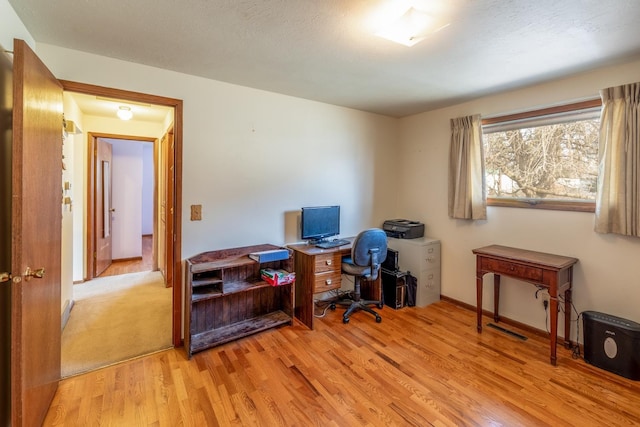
x=419, y=367
x=133, y=265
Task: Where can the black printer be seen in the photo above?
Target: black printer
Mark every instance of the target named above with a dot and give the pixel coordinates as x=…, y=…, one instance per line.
x=403, y=228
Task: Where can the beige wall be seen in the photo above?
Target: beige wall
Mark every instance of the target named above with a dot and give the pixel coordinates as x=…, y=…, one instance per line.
x=607, y=276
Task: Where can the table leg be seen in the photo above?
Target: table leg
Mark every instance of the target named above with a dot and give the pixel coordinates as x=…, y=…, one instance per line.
x=479, y=300
x=496, y=297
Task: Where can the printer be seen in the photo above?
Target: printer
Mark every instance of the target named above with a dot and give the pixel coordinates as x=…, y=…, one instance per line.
x=403, y=228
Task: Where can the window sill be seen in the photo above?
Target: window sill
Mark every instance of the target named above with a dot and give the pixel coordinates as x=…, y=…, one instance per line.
x=557, y=205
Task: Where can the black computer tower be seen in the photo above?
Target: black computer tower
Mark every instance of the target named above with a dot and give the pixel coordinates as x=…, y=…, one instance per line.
x=612, y=343
x=394, y=288
x=391, y=261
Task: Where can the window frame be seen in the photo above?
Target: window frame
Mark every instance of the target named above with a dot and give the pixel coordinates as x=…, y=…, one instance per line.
x=568, y=205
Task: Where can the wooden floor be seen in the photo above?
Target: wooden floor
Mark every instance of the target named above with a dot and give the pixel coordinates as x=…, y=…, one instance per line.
x=419, y=367
x=133, y=265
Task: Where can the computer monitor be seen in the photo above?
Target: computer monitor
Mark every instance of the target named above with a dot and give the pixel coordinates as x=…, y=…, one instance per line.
x=319, y=222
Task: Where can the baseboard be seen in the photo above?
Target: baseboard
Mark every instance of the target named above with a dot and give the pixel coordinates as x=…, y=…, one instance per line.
x=66, y=313
x=503, y=319
x=135, y=258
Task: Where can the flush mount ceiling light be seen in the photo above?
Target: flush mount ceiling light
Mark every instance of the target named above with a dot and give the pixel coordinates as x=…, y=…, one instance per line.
x=124, y=113
x=410, y=28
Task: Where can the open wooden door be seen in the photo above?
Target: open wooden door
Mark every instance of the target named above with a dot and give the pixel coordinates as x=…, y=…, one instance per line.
x=36, y=237
x=104, y=210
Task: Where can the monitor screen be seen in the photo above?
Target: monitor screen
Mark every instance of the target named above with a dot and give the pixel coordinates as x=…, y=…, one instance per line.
x=319, y=222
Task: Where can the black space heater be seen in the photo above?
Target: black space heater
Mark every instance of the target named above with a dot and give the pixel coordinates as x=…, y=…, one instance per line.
x=612, y=343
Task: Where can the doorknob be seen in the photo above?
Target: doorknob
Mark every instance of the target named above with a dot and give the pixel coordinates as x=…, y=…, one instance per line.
x=112, y=210
x=38, y=273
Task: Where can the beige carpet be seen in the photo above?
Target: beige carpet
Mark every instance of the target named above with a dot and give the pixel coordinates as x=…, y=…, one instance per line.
x=114, y=319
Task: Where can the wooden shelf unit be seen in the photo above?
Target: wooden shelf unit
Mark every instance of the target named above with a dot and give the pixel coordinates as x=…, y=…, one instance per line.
x=226, y=299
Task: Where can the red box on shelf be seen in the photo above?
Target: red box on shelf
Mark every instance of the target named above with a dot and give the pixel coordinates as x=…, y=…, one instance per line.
x=277, y=277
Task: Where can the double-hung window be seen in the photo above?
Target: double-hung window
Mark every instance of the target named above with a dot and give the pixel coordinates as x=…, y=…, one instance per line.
x=545, y=158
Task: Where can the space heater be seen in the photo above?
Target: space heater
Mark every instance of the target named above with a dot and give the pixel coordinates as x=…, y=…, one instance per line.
x=612, y=343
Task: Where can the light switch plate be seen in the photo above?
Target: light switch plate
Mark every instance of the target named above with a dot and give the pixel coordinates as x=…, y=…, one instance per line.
x=196, y=212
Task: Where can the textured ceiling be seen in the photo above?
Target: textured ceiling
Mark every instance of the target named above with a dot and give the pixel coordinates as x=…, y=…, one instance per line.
x=325, y=50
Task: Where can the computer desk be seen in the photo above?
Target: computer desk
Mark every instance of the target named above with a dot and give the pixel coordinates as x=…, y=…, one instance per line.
x=320, y=270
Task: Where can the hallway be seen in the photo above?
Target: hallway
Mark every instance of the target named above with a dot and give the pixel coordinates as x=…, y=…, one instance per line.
x=133, y=265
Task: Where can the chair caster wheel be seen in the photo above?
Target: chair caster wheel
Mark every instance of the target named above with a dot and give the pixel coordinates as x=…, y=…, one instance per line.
x=345, y=320
x=378, y=319
x=380, y=305
x=332, y=306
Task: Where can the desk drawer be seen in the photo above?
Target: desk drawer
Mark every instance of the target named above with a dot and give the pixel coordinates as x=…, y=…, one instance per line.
x=327, y=281
x=327, y=262
x=512, y=269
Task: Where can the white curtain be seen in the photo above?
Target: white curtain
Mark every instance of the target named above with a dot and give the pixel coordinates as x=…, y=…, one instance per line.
x=467, y=196
x=618, y=201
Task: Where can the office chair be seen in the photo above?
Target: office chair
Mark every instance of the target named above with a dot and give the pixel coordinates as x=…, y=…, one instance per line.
x=368, y=252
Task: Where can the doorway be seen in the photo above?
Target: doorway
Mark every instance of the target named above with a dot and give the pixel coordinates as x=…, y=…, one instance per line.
x=170, y=254
x=132, y=196
x=123, y=191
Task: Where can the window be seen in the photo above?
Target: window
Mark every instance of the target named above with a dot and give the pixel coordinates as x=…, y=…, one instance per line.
x=544, y=159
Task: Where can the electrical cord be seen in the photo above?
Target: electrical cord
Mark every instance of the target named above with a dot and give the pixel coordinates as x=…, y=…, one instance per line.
x=338, y=294
x=545, y=303
x=546, y=314
x=575, y=348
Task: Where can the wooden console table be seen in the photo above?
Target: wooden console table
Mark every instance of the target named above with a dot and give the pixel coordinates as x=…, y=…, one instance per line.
x=554, y=272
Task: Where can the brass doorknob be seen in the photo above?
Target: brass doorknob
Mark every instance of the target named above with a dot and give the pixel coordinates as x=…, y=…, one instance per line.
x=38, y=273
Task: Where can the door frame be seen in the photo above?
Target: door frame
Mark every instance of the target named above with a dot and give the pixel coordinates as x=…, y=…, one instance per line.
x=175, y=229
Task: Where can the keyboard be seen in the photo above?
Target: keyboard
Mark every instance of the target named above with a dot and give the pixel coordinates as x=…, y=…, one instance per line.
x=332, y=243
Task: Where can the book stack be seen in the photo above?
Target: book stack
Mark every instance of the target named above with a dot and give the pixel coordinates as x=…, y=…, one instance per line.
x=277, y=277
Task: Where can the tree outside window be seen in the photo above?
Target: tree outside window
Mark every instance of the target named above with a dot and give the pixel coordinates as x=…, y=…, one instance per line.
x=546, y=160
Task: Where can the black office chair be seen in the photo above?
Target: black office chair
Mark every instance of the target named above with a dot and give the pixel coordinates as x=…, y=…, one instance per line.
x=368, y=252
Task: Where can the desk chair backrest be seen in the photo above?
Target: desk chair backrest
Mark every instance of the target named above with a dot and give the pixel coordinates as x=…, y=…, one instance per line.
x=370, y=249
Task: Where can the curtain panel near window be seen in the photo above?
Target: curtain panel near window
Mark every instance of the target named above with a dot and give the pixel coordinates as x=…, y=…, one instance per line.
x=467, y=189
x=618, y=198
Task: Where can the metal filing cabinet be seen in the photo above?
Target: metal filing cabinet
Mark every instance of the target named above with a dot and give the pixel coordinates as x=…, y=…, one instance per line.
x=422, y=258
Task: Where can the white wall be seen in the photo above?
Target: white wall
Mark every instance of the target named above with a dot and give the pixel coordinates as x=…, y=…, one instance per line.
x=607, y=277
x=251, y=157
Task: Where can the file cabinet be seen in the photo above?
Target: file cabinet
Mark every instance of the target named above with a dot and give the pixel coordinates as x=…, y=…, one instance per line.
x=421, y=257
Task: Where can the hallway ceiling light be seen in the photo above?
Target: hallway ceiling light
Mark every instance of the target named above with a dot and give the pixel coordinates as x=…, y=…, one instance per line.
x=410, y=28
x=124, y=113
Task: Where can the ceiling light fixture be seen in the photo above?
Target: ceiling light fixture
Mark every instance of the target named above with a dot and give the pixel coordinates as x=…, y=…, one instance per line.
x=410, y=28
x=124, y=113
